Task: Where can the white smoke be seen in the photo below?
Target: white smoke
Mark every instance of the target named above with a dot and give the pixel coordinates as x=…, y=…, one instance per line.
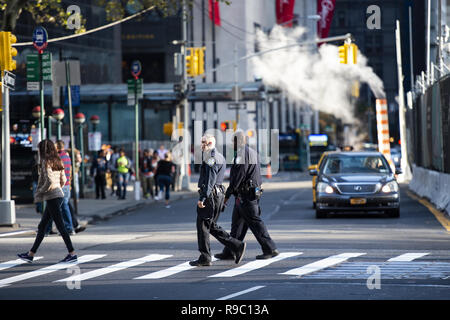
x=312, y=76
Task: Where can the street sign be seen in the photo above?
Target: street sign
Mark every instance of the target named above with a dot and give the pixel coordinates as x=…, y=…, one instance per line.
x=237, y=105
x=9, y=79
x=136, y=68
x=75, y=95
x=32, y=86
x=33, y=67
x=130, y=86
x=40, y=37
x=94, y=141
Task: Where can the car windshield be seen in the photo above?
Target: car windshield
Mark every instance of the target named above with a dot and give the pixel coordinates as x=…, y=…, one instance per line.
x=356, y=164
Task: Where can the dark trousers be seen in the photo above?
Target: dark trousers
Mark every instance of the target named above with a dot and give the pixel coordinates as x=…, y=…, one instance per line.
x=100, y=183
x=164, y=184
x=52, y=211
x=206, y=225
x=247, y=214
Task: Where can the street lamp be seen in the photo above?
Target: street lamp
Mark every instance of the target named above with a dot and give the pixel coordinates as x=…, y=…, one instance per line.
x=80, y=119
x=95, y=120
x=36, y=113
x=58, y=114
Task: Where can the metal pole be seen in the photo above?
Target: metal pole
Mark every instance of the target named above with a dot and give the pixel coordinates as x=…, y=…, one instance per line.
x=59, y=124
x=406, y=175
x=72, y=139
x=7, y=206
x=186, y=153
x=411, y=50
x=41, y=93
x=82, y=161
x=136, y=108
x=428, y=40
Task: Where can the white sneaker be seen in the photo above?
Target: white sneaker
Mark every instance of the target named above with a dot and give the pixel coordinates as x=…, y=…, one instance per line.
x=168, y=206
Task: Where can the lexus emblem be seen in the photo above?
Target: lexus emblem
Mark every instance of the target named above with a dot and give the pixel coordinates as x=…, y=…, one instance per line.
x=358, y=188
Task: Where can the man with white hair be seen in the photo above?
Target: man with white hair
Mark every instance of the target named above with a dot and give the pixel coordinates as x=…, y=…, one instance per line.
x=210, y=203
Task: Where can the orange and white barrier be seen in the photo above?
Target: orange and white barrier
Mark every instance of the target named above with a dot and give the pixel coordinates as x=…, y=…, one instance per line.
x=384, y=145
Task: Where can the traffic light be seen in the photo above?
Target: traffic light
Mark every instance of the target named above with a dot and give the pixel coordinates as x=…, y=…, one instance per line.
x=200, y=53
x=190, y=62
x=343, y=54
x=7, y=52
x=224, y=126
x=354, y=52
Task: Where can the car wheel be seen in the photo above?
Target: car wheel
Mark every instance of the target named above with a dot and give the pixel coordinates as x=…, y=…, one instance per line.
x=394, y=213
x=320, y=214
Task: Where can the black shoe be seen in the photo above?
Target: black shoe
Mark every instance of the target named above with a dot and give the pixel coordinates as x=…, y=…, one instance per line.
x=240, y=253
x=80, y=229
x=70, y=258
x=224, y=256
x=25, y=257
x=269, y=255
x=198, y=263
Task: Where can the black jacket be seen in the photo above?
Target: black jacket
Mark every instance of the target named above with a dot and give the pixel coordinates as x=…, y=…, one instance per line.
x=212, y=172
x=245, y=167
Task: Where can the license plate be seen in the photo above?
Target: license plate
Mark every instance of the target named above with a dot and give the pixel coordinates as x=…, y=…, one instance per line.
x=358, y=201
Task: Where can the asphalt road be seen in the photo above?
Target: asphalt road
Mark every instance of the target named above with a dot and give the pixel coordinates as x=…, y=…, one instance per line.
x=143, y=255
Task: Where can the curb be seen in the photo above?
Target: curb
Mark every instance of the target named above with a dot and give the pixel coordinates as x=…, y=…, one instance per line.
x=441, y=216
x=135, y=206
x=93, y=219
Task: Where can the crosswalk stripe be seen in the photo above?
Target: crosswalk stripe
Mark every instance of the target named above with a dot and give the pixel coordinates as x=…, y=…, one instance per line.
x=115, y=267
x=169, y=271
x=408, y=256
x=13, y=263
x=322, y=264
x=241, y=292
x=255, y=265
x=49, y=269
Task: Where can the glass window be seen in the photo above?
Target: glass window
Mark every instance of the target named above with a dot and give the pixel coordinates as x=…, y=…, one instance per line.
x=356, y=164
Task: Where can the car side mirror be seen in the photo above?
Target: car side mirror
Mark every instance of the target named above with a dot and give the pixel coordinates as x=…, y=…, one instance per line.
x=398, y=171
x=313, y=172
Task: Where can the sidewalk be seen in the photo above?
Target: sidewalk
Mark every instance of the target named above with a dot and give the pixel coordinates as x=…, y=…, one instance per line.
x=90, y=210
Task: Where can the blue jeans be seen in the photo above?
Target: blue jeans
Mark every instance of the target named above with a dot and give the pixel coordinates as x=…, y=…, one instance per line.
x=122, y=181
x=65, y=211
x=164, y=182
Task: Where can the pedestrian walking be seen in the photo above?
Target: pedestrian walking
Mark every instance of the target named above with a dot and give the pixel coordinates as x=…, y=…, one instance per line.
x=162, y=151
x=98, y=171
x=67, y=217
x=51, y=180
x=245, y=185
x=147, y=174
x=164, y=171
x=123, y=165
x=209, y=205
x=155, y=160
x=112, y=166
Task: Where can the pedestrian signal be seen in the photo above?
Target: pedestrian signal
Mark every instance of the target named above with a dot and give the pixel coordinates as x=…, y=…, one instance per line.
x=224, y=126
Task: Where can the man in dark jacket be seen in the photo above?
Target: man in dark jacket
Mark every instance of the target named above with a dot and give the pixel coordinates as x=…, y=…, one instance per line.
x=210, y=204
x=245, y=185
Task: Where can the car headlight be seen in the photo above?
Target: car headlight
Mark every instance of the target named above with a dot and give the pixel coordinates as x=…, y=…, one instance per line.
x=324, y=187
x=390, y=187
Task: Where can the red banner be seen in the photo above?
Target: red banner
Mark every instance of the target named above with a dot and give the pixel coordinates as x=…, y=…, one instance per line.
x=285, y=12
x=216, y=12
x=325, y=9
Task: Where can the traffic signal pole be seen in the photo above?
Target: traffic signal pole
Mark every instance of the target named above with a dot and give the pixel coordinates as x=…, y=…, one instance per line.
x=7, y=206
x=185, y=179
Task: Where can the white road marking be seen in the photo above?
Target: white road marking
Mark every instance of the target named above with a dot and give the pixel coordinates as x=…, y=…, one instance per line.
x=114, y=268
x=169, y=271
x=322, y=264
x=409, y=256
x=15, y=233
x=49, y=269
x=12, y=263
x=241, y=293
x=255, y=265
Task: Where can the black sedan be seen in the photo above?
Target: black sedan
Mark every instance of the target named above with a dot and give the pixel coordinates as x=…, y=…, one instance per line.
x=356, y=181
